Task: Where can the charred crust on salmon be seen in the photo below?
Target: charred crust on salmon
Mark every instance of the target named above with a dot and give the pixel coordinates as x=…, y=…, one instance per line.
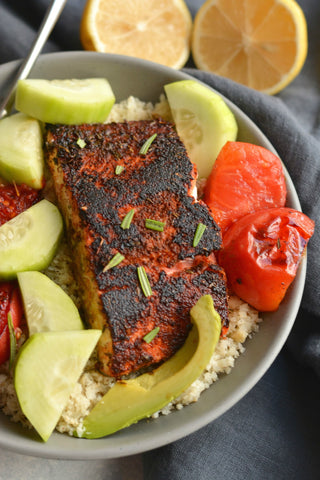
x=94, y=200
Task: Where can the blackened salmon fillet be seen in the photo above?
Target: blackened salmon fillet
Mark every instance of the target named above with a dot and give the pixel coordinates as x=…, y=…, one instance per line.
x=100, y=176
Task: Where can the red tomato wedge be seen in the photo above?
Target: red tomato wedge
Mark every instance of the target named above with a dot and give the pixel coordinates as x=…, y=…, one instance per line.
x=245, y=178
x=15, y=199
x=10, y=301
x=262, y=252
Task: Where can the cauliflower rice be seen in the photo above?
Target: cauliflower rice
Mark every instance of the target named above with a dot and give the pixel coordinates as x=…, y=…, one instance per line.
x=92, y=385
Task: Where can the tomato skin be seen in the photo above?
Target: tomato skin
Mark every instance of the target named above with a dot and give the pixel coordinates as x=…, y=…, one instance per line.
x=16, y=199
x=13, y=201
x=261, y=254
x=245, y=178
x=10, y=301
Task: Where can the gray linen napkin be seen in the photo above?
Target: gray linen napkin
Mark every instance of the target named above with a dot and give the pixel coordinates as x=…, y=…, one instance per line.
x=272, y=433
x=259, y=438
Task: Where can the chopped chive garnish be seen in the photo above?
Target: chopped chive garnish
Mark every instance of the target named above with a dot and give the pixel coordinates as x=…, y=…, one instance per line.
x=144, y=281
x=151, y=335
x=145, y=147
x=115, y=260
x=81, y=143
x=119, y=169
x=16, y=188
x=126, y=222
x=198, y=234
x=13, y=341
x=154, y=224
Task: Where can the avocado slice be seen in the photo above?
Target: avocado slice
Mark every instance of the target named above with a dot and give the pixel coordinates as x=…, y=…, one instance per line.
x=128, y=401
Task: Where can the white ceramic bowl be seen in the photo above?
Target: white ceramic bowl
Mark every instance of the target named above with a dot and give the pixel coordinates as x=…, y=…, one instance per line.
x=129, y=76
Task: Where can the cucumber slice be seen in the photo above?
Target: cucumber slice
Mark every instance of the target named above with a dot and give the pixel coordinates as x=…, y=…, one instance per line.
x=46, y=305
x=47, y=369
x=21, y=155
x=29, y=240
x=203, y=120
x=65, y=101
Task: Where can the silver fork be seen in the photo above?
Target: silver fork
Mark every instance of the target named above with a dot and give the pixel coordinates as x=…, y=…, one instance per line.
x=52, y=14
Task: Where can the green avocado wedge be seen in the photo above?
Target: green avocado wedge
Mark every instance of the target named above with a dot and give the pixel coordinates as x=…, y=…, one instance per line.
x=128, y=401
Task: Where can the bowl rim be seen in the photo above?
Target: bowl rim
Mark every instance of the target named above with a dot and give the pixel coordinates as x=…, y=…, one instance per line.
x=28, y=444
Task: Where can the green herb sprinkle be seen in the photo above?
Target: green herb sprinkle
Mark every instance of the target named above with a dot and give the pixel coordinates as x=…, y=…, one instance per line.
x=119, y=169
x=144, y=282
x=13, y=341
x=151, y=335
x=154, y=225
x=115, y=260
x=198, y=233
x=145, y=147
x=126, y=222
x=81, y=143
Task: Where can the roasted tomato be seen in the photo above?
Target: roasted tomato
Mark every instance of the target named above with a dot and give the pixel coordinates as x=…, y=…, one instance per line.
x=15, y=199
x=245, y=178
x=10, y=301
x=261, y=254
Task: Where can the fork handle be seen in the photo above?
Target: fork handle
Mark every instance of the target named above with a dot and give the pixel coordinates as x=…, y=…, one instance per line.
x=53, y=12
